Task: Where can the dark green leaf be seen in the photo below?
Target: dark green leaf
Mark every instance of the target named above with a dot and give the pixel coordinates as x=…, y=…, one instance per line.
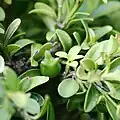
x=50, y=112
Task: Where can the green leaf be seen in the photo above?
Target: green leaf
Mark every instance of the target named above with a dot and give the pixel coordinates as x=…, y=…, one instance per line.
x=30, y=73
x=112, y=45
x=50, y=35
x=77, y=37
x=50, y=112
x=108, y=46
x=43, y=109
x=111, y=107
x=41, y=52
x=85, y=45
x=112, y=76
x=38, y=98
x=115, y=65
x=73, y=64
x=105, y=1
x=93, y=77
x=41, y=8
x=88, y=64
x=91, y=99
x=81, y=74
x=68, y=88
x=20, y=99
x=35, y=48
x=92, y=36
x=65, y=39
x=11, y=80
x=14, y=48
x=35, y=81
x=101, y=31
x=2, y=14
x=9, y=2
x=11, y=29
x=2, y=31
x=2, y=64
x=25, y=84
x=73, y=52
x=114, y=90
x=118, y=111
x=49, y=22
x=61, y=54
x=89, y=5
x=4, y=114
x=32, y=107
x=105, y=9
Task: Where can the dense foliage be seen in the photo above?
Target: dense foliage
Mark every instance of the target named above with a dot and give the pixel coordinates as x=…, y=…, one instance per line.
x=60, y=59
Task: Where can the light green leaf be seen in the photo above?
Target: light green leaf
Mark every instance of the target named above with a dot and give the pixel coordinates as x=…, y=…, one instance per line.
x=11, y=29
x=113, y=76
x=73, y=52
x=61, y=54
x=111, y=107
x=73, y=64
x=50, y=35
x=8, y=1
x=38, y=98
x=41, y=8
x=114, y=90
x=105, y=9
x=65, y=39
x=81, y=73
x=105, y=1
x=68, y=88
x=112, y=45
x=95, y=52
x=2, y=31
x=91, y=99
x=30, y=73
x=49, y=22
x=14, y=48
x=20, y=99
x=115, y=65
x=40, y=53
x=88, y=64
x=101, y=31
x=11, y=80
x=93, y=77
x=2, y=14
x=2, y=64
x=118, y=111
x=85, y=45
x=32, y=107
x=4, y=114
x=92, y=36
x=43, y=108
x=35, y=81
x=25, y=84
x=77, y=37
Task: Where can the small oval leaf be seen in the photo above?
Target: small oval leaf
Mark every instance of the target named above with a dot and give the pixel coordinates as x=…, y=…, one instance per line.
x=68, y=88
